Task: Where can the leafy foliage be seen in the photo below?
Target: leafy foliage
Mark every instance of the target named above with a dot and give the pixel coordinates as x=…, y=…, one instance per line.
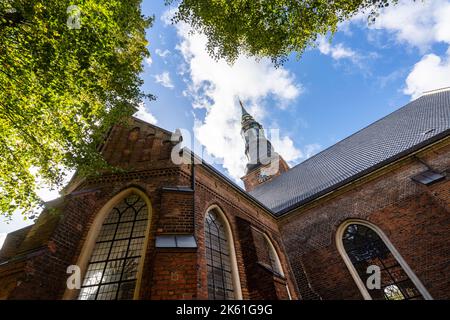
x=61, y=88
x=268, y=28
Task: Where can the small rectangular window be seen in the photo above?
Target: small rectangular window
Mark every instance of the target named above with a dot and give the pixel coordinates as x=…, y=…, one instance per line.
x=166, y=242
x=428, y=177
x=176, y=241
x=186, y=241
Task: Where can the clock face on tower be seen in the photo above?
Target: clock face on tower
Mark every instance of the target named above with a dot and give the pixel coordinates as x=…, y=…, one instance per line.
x=263, y=177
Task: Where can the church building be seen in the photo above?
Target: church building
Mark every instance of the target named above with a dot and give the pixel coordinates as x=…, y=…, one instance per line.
x=367, y=218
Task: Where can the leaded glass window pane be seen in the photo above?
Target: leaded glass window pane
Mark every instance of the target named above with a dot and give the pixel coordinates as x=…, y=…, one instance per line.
x=364, y=247
x=112, y=269
x=220, y=283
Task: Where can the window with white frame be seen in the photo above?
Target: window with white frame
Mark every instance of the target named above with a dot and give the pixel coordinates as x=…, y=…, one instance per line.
x=217, y=245
x=113, y=265
x=365, y=248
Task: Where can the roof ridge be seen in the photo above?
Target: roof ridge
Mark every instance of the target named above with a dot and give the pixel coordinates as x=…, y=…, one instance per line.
x=381, y=142
x=356, y=132
x=277, y=180
x=444, y=89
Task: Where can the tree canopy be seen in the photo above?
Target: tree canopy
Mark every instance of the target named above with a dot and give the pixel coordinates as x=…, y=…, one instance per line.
x=268, y=28
x=67, y=73
x=69, y=70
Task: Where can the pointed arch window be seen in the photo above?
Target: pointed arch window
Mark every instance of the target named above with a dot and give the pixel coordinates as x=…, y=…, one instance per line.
x=266, y=254
x=363, y=245
x=218, y=257
x=113, y=266
x=274, y=263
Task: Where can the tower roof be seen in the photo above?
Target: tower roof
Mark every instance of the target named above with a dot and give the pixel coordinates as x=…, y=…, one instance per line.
x=255, y=139
x=247, y=120
x=244, y=112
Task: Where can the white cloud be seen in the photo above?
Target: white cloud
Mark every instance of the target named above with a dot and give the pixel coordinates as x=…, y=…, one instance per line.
x=417, y=23
x=149, y=61
x=216, y=85
x=17, y=221
x=14, y=222
x=161, y=53
x=442, y=26
x=432, y=72
x=337, y=52
x=285, y=147
x=164, y=80
x=167, y=16
x=421, y=24
x=145, y=115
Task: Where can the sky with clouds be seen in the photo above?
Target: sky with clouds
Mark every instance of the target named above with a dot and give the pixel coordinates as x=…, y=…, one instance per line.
x=334, y=90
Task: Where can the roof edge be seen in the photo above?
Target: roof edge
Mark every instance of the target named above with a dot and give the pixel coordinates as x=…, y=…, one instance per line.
x=444, y=89
x=286, y=211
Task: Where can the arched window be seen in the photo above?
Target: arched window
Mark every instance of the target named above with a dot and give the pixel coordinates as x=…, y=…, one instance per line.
x=366, y=250
x=265, y=251
x=271, y=256
x=219, y=251
x=275, y=264
x=113, y=265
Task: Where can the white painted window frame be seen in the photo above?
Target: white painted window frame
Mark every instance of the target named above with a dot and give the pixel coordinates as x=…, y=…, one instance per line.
x=89, y=244
x=233, y=260
x=361, y=286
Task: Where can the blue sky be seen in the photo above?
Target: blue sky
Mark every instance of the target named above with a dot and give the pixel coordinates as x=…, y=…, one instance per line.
x=335, y=89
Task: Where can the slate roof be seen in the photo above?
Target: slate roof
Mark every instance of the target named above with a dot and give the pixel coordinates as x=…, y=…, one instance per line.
x=411, y=127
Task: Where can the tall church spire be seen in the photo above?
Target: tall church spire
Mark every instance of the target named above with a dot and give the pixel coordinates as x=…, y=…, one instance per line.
x=244, y=112
x=247, y=120
x=263, y=162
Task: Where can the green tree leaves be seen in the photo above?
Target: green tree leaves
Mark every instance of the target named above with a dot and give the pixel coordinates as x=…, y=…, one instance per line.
x=268, y=28
x=62, y=88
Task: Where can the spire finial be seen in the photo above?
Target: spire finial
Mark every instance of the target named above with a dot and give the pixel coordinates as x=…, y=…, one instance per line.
x=244, y=112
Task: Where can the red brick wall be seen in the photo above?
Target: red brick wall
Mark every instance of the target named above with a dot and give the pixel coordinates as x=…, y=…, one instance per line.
x=174, y=275
x=263, y=283
x=176, y=213
x=415, y=218
x=211, y=191
x=169, y=273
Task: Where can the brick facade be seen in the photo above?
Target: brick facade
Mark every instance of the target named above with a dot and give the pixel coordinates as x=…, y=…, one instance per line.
x=36, y=268
x=414, y=217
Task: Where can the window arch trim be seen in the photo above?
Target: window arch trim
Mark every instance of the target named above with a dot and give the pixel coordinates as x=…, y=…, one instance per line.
x=277, y=259
x=362, y=288
x=272, y=249
x=94, y=230
x=233, y=260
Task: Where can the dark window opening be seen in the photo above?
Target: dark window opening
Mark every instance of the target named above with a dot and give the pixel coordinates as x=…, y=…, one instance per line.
x=365, y=248
x=428, y=177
